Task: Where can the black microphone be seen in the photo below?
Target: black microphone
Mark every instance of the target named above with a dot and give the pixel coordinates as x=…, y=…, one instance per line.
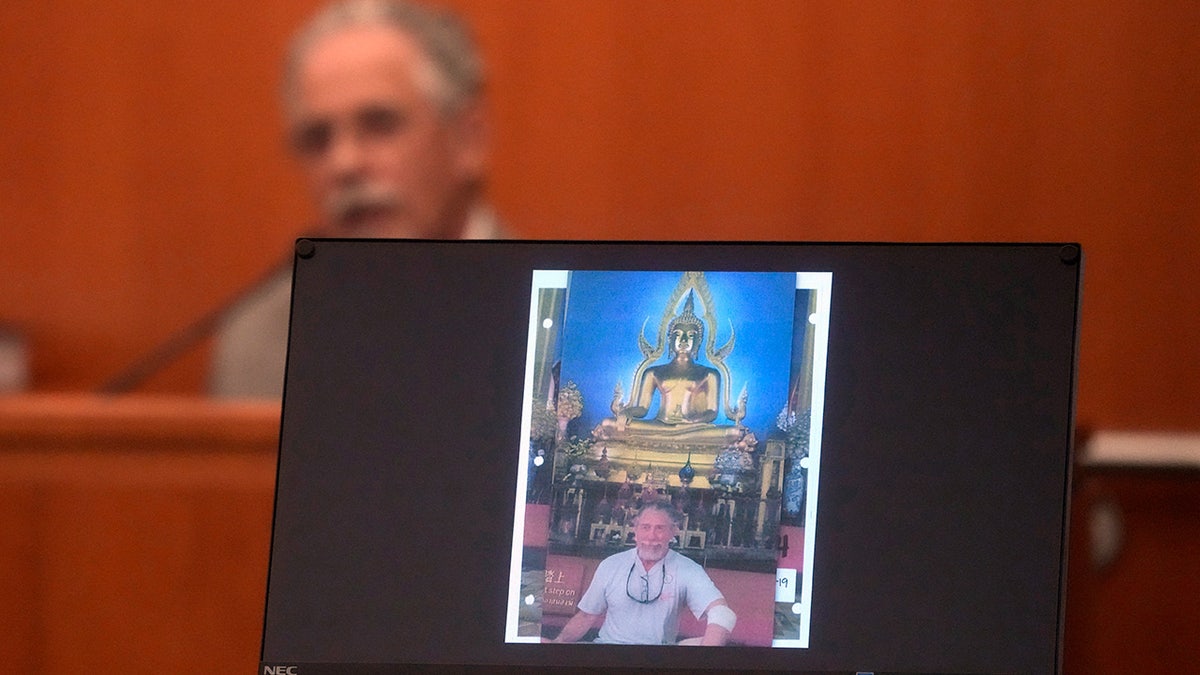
x=187, y=337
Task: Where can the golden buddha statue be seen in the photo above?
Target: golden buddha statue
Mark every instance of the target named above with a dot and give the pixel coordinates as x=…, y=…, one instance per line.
x=690, y=395
x=687, y=390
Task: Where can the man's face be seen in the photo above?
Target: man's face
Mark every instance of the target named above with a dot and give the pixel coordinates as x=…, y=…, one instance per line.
x=382, y=159
x=653, y=534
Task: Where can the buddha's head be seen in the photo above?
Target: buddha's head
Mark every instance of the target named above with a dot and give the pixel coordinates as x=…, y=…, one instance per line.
x=686, y=332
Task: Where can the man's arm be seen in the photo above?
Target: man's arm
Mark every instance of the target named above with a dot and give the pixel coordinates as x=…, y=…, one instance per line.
x=721, y=620
x=577, y=627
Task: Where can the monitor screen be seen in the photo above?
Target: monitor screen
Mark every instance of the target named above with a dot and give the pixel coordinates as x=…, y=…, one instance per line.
x=795, y=457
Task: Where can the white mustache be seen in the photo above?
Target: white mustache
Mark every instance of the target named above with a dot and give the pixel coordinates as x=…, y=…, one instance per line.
x=348, y=202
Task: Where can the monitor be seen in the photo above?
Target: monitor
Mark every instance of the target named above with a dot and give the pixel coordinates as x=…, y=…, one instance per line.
x=791, y=457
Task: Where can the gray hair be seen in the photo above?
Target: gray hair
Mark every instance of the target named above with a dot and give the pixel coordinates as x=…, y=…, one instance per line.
x=442, y=37
x=661, y=506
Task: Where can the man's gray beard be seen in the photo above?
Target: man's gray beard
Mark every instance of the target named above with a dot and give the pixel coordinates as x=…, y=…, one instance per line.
x=655, y=560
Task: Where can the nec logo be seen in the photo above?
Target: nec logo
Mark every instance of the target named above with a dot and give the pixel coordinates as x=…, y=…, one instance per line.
x=280, y=670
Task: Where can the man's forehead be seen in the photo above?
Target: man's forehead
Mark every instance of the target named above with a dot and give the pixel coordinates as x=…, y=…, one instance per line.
x=360, y=45
x=357, y=63
x=654, y=514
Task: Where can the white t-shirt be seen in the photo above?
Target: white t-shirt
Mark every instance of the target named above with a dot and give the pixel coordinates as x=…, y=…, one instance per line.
x=654, y=622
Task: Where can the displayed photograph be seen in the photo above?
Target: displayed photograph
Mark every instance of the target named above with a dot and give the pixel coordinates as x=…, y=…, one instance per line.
x=667, y=487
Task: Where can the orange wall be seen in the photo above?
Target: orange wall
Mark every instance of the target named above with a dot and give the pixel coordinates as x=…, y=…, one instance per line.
x=143, y=176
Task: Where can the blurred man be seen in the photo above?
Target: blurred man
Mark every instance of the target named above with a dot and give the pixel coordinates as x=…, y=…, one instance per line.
x=635, y=595
x=383, y=103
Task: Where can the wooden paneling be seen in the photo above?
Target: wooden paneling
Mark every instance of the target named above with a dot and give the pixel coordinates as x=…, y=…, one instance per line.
x=1136, y=607
x=134, y=534
x=144, y=179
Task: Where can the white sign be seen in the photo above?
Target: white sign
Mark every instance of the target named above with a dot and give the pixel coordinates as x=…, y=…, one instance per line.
x=785, y=585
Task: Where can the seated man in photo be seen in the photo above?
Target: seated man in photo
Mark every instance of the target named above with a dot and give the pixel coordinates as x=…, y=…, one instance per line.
x=639, y=592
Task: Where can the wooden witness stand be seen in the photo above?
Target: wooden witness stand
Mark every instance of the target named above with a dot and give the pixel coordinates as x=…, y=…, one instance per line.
x=134, y=533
